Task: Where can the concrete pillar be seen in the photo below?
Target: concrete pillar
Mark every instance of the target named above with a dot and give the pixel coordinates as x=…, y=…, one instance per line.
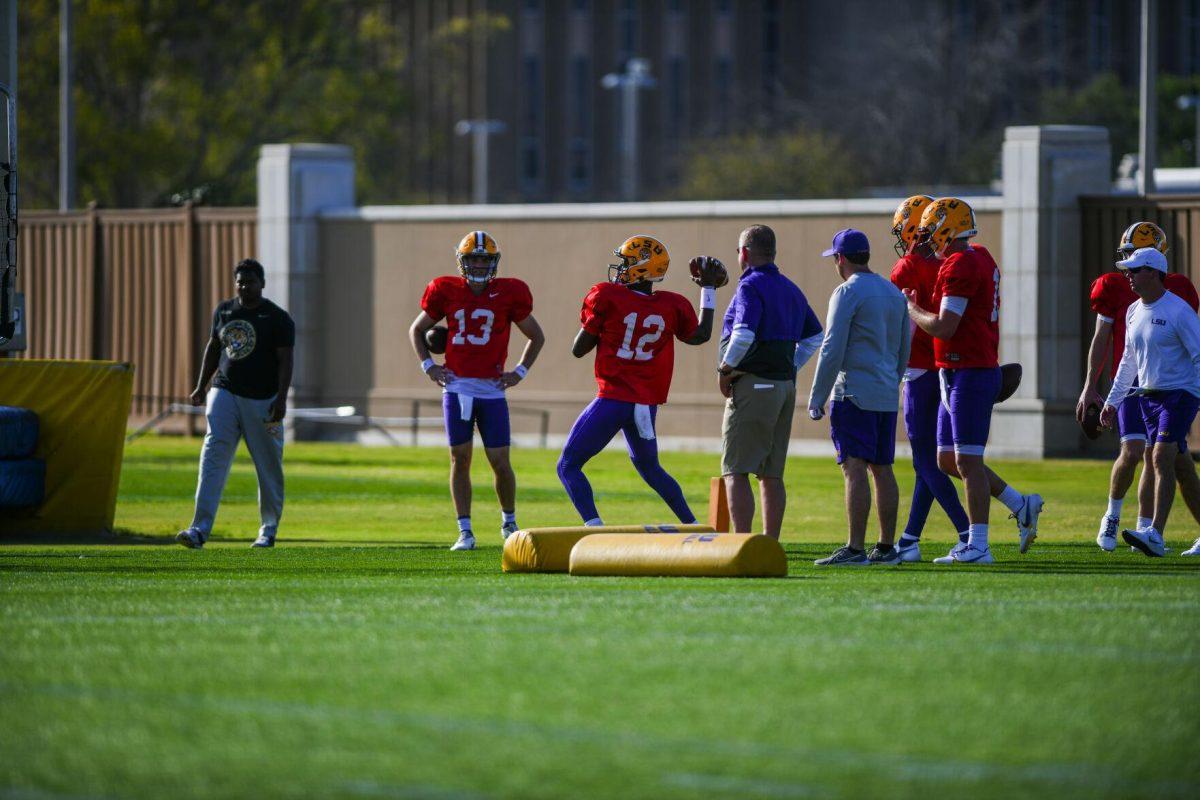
x=295, y=183
x=1045, y=170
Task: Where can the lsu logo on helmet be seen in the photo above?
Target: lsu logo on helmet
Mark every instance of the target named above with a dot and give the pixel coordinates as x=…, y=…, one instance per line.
x=907, y=221
x=945, y=220
x=1142, y=234
x=642, y=258
x=478, y=244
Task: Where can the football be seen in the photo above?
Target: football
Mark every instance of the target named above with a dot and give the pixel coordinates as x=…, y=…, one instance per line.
x=1091, y=422
x=1010, y=379
x=435, y=339
x=708, y=271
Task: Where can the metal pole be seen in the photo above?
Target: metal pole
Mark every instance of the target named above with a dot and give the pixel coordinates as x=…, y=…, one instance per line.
x=479, y=182
x=1148, y=129
x=66, y=112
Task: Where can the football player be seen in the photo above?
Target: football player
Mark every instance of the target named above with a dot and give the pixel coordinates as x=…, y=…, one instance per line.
x=479, y=309
x=917, y=270
x=633, y=329
x=966, y=339
x=1111, y=297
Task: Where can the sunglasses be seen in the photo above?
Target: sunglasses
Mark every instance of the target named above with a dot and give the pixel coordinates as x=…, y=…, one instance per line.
x=1136, y=270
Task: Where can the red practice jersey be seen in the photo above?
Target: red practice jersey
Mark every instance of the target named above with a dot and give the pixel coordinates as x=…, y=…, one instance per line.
x=919, y=274
x=1111, y=297
x=972, y=274
x=478, y=325
x=636, y=353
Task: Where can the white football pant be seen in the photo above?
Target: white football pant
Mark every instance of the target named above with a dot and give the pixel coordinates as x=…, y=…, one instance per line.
x=230, y=418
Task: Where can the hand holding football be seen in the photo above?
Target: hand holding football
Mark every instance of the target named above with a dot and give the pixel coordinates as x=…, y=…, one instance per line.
x=435, y=339
x=708, y=271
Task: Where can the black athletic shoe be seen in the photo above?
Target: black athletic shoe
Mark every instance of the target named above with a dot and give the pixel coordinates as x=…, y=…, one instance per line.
x=844, y=557
x=889, y=558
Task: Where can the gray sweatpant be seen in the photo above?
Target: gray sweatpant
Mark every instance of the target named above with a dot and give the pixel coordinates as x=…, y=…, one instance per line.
x=231, y=417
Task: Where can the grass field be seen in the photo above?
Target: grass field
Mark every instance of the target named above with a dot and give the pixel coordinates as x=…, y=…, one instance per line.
x=360, y=658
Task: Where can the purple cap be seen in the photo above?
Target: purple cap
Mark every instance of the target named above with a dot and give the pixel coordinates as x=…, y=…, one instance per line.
x=848, y=240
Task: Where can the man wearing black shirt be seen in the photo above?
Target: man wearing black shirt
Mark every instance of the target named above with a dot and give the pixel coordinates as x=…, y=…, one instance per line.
x=250, y=351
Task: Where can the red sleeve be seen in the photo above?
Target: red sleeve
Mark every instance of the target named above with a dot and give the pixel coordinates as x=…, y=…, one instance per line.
x=522, y=301
x=900, y=277
x=433, y=302
x=1188, y=292
x=1101, y=299
x=686, y=321
x=956, y=280
x=592, y=311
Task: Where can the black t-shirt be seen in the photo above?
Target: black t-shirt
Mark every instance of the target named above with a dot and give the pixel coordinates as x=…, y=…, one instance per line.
x=248, y=336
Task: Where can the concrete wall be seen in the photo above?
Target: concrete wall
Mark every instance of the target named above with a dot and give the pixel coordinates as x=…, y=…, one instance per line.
x=375, y=263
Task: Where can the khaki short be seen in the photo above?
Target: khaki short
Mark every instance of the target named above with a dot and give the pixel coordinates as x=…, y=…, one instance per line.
x=757, y=427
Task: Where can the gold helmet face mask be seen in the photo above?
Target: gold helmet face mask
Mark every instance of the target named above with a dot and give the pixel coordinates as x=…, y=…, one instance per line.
x=1142, y=234
x=906, y=222
x=945, y=220
x=478, y=244
x=642, y=258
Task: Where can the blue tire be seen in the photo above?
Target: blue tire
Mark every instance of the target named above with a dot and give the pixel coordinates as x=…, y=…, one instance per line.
x=18, y=432
x=22, y=483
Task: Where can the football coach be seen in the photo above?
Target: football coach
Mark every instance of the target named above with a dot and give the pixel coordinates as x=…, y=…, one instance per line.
x=769, y=332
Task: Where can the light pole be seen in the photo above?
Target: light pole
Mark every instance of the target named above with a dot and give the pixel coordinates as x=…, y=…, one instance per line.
x=479, y=131
x=1184, y=102
x=636, y=76
x=1147, y=128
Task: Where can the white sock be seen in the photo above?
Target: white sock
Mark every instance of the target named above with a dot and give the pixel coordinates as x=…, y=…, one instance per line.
x=979, y=537
x=464, y=524
x=508, y=516
x=1114, y=508
x=1012, y=499
x=593, y=522
x=1144, y=522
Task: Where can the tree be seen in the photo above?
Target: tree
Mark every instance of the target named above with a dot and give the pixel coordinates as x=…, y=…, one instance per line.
x=799, y=163
x=174, y=97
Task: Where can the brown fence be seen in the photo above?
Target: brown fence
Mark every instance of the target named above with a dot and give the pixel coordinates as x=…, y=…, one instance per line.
x=1104, y=219
x=134, y=286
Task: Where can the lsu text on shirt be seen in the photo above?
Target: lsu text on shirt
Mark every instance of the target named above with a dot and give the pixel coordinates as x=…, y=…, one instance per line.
x=973, y=275
x=635, y=356
x=1111, y=298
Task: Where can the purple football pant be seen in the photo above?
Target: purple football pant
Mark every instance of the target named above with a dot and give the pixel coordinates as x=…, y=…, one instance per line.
x=594, y=429
x=922, y=398
x=489, y=415
x=965, y=416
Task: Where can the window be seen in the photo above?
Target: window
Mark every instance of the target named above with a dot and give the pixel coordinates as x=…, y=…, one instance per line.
x=676, y=96
x=770, y=53
x=579, y=147
x=627, y=44
x=531, y=124
x=1099, y=36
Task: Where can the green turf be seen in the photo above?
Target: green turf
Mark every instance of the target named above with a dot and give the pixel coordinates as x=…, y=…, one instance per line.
x=372, y=662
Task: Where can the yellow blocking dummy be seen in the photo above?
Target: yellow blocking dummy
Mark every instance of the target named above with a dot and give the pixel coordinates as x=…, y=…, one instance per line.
x=711, y=555
x=549, y=549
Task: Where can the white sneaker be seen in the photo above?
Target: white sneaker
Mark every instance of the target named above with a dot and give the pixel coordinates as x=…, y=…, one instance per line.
x=1194, y=550
x=1027, y=519
x=507, y=530
x=949, y=557
x=466, y=541
x=264, y=540
x=191, y=538
x=1148, y=541
x=972, y=555
x=1107, y=537
x=910, y=553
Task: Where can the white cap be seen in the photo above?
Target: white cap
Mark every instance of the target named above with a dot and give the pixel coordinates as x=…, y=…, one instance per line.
x=1144, y=257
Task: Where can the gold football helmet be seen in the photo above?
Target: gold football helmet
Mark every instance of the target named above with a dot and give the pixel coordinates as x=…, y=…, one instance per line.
x=1142, y=234
x=474, y=244
x=945, y=220
x=642, y=258
x=907, y=220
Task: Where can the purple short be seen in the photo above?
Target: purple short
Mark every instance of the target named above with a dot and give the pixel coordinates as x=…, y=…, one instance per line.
x=1168, y=416
x=869, y=435
x=921, y=402
x=965, y=417
x=1130, y=422
x=491, y=417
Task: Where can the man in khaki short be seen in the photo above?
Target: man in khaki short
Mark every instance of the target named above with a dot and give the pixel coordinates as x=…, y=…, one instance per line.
x=768, y=334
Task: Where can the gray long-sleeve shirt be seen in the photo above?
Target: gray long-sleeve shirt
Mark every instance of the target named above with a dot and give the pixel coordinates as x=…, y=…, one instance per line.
x=865, y=350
